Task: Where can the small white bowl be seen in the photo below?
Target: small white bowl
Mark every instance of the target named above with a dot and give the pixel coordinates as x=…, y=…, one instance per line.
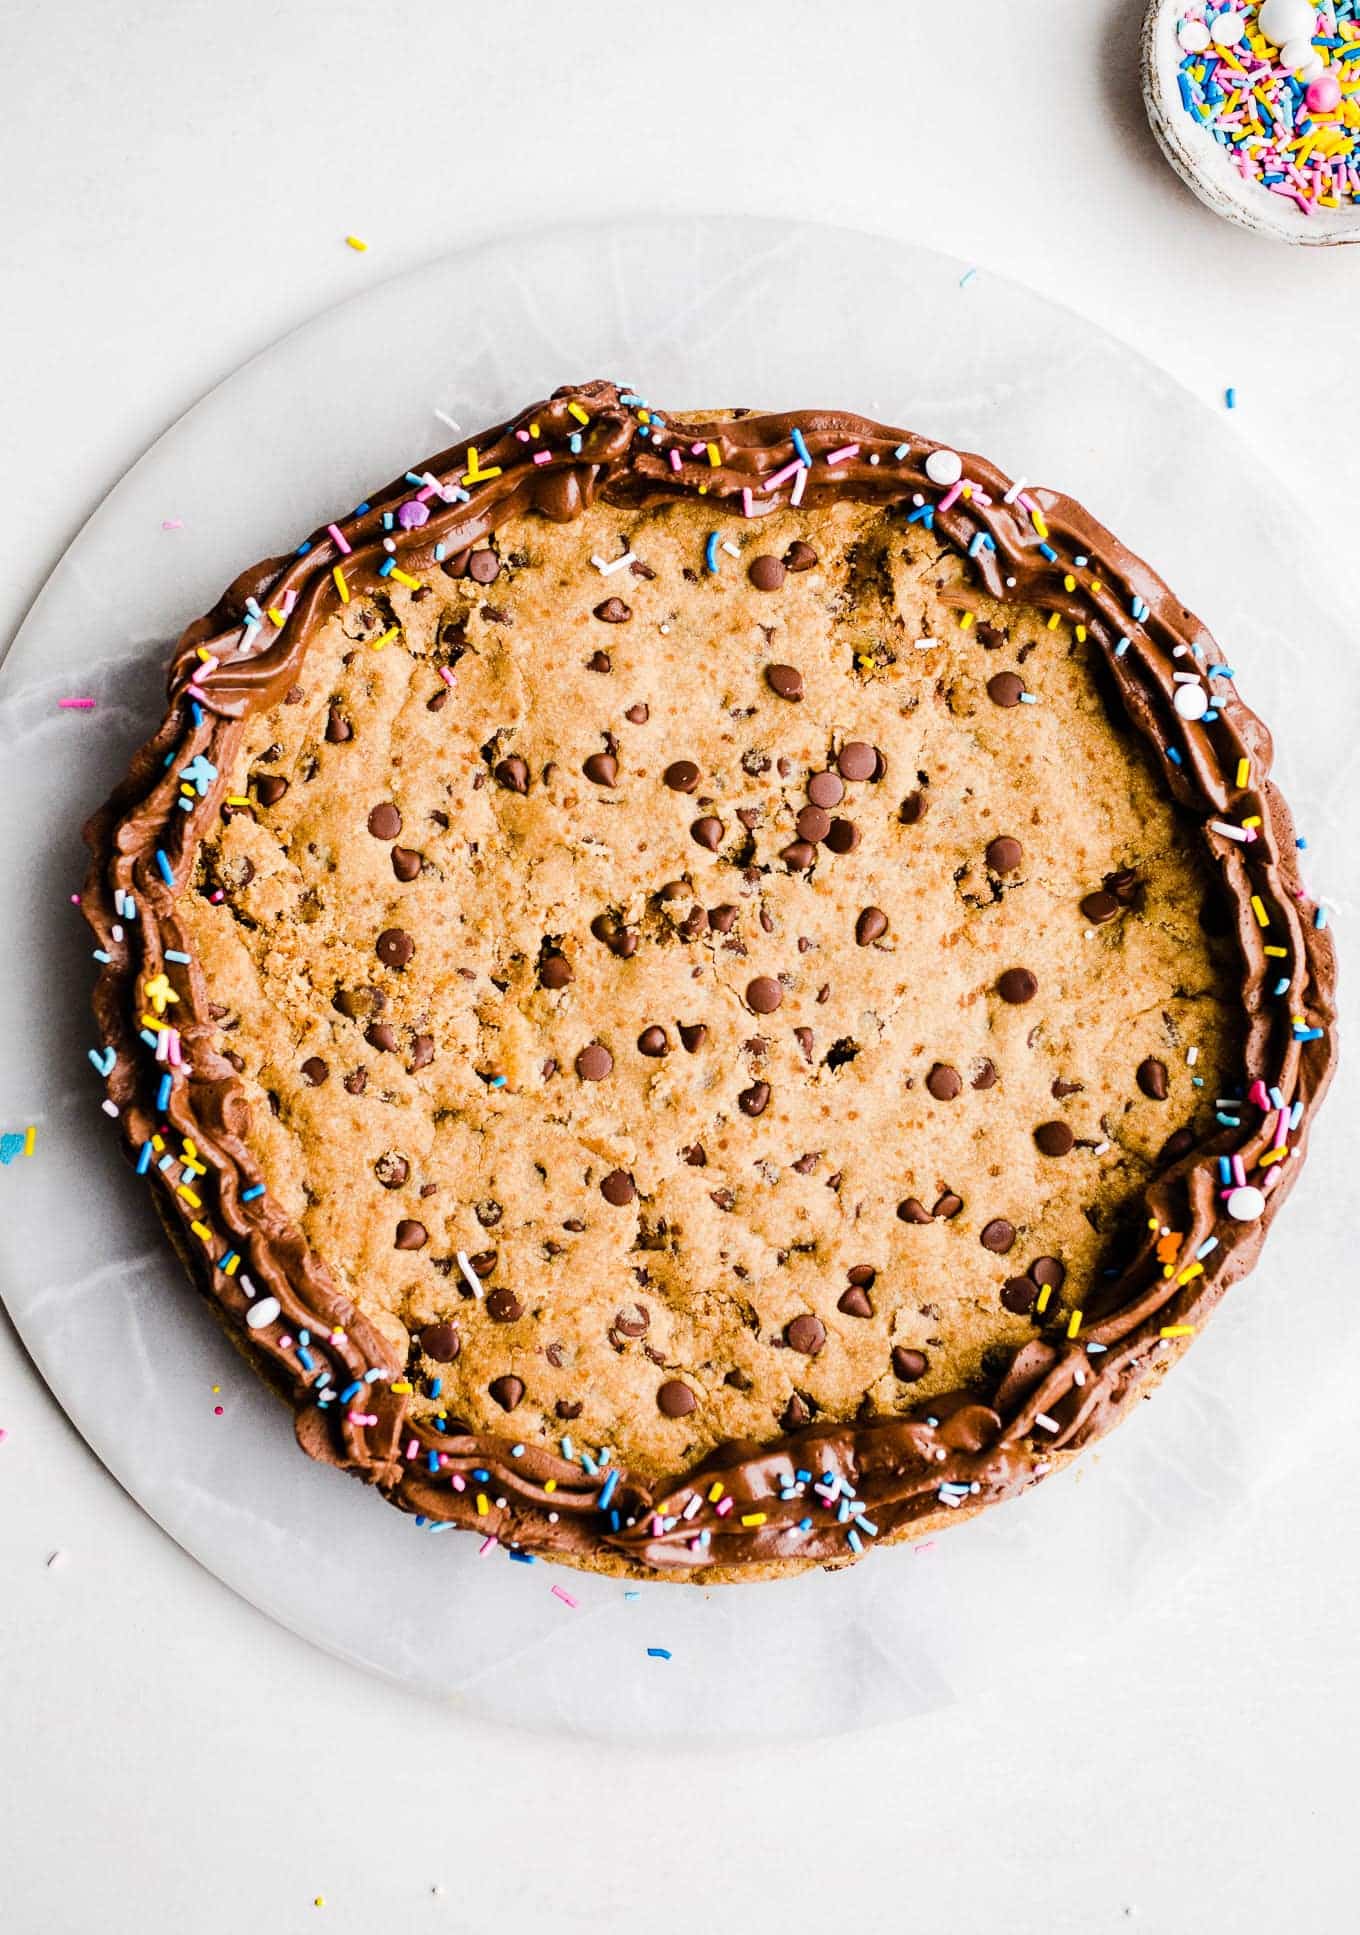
x=1205, y=167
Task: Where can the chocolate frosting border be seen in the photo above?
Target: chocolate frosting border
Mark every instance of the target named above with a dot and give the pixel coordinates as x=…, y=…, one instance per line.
x=745, y=1505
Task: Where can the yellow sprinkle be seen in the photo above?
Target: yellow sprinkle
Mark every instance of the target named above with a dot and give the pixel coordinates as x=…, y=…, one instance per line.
x=1096, y=585
x=1074, y=1323
x=356, y=244
x=157, y=1142
x=1177, y=1330
x=1190, y=1270
x=482, y=1506
x=1277, y=953
x=580, y=415
x=237, y=799
x=472, y=475
x=30, y=1137
x=1081, y=634
x=190, y=1146
x=387, y=636
x=1259, y=909
x=201, y=1229
x=1069, y=583
x=203, y=651
x=644, y=416
x=703, y=490
x=150, y=1021
x=276, y=615
x=340, y=584
x=1253, y=819
x=216, y=1389
x=1041, y=1303
x=1243, y=771
x=194, y=1168
x=715, y=1491
x=231, y=1266
x=404, y=578
x=1040, y=528
x=713, y=456
x=194, y=1202
x=550, y=1485
x=533, y=429
x=1055, y=619
x=753, y=1518
x=404, y=1388
x=966, y=621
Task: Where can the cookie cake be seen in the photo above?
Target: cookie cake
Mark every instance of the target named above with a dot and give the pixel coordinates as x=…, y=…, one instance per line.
x=704, y=993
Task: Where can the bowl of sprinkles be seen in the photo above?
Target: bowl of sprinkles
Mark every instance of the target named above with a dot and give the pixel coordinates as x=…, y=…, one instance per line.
x=1257, y=108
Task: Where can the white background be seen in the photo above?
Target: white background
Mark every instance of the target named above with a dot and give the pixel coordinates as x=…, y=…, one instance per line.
x=177, y=184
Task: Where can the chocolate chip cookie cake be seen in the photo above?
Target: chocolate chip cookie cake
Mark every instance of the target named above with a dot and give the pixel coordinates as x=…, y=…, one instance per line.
x=705, y=993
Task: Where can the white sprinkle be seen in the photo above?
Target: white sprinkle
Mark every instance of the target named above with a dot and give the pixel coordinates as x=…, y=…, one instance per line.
x=1101, y=1149
x=1191, y=1057
x=926, y=644
x=607, y=570
x=456, y=428
x=730, y=548
x=1191, y=701
x=1049, y=1424
x=694, y=1507
x=944, y=467
x=470, y=1276
x=262, y=1313
x=1015, y=490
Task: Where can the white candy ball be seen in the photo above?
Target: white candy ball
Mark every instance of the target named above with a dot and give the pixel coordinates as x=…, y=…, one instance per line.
x=1228, y=29
x=1246, y=1204
x=262, y=1313
x=944, y=467
x=1301, y=57
x=1191, y=701
x=1282, y=20
x=1193, y=36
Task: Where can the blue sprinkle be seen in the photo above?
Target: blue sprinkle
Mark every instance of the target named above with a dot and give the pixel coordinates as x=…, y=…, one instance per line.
x=227, y=1257
x=436, y=1386
x=1296, y=1115
x=1282, y=985
x=359, y=509
x=607, y=1489
x=100, y=955
x=1225, y=1174
x=163, y=1094
x=799, y=444
x=924, y=514
x=900, y=452
x=1047, y=551
x=1320, y=917
x=1228, y=1121
x=711, y=551
x=173, y=954
x=372, y=1377
x=1121, y=647
x=439, y=554
x=574, y=443
x=805, y=1525
x=307, y=1361
x=144, y=1158
x=522, y=1558
x=351, y=1390
x=658, y=1652
x=1300, y=844
x=166, y=870
x=614, y=1521
x=1173, y=756
x=967, y=277
x=249, y=1195
x=632, y=1594
x=588, y=1464
x=1222, y=672
x=1139, y=609
x=481, y=1475
x=303, y=548
x=196, y=712
x=1209, y=1244
x=1230, y=398
x=385, y=568
x=166, y=1162
x=432, y=1459
x=856, y=1543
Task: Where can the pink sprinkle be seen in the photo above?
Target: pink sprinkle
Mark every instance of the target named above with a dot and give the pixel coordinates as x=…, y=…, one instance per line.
x=839, y=456
x=172, y=523
x=413, y=1448
x=341, y=542
x=697, y=449
x=217, y=1410
x=76, y=705
x=675, y=459
x=723, y=1507
x=446, y=675
x=174, y=1051
x=746, y=500
x=522, y=435
x=289, y=600
x=1257, y=1094
x=951, y=497
x=799, y=485
x=1239, y=1171
x=1282, y=1129
x=458, y=1482
x=543, y=456
x=782, y=476
x=217, y=897
x=195, y=691
x=162, y=1044
x=75, y=900
x=486, y=1545
x=565, y=1597
x=3, y=1434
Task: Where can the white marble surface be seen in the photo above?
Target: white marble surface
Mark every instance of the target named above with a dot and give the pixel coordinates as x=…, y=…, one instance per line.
x=199, y=169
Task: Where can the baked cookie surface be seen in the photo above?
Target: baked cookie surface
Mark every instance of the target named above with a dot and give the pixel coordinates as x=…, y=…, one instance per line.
x=711, y=1000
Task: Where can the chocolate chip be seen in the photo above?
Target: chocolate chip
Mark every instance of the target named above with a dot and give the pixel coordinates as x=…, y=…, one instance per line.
x=785, y=681
x=391, y=1169
x=613, y=612
x=512, y=774
x=602, y=768
x=842, y=837
x=803, y=1036
x=944, y=1082
x=1054, y=1139
x=384, y=822
x=1004, y=854
x=864, y=1275
x=800, y=556
x=1178, y=1144
x=599, y=662
x=1048, y=1270
x=1017, y=985
x=693, y=1036
x=763, y=995
x=338, y=728
x=986, y=1074
x=797, y=1413
x=637, y=715
x=913, y=1210
x=484, y=567
x=488, y=1212
x=723, y=918
x=503, y=1306
x=1061, y=1089
x=909, y=1365
x=696, y=1156
x=270, y=789
x=857, y=760
x=806, y=1334
x=653, y=1042
x=1099, y=907
x=708, y=831
x=854, y=1302
x=825, y=789
x=395, y=947
x=441, y=1342
x=411, y=1235
x=675, y=1399
x=554, y=971
x=507, y=1391
x=315, y=1070
x=682, y=776
x=594, y=1062
x=872, y=923
x=754, y=1100
x=766, y=573
x=618, y=1188
x=293, y=696
x=422, y=1051
x=998, y=1235
x=1004, y=688
x=355, y=1003
x=405, y=863
x=813, y=823
x=567, y=1411
x=913, y=809
x=798, y=856
x=634, y=1322
x=437, y=701
x=1019, y=1295
x=1152, y=1079
x=947, y=1206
